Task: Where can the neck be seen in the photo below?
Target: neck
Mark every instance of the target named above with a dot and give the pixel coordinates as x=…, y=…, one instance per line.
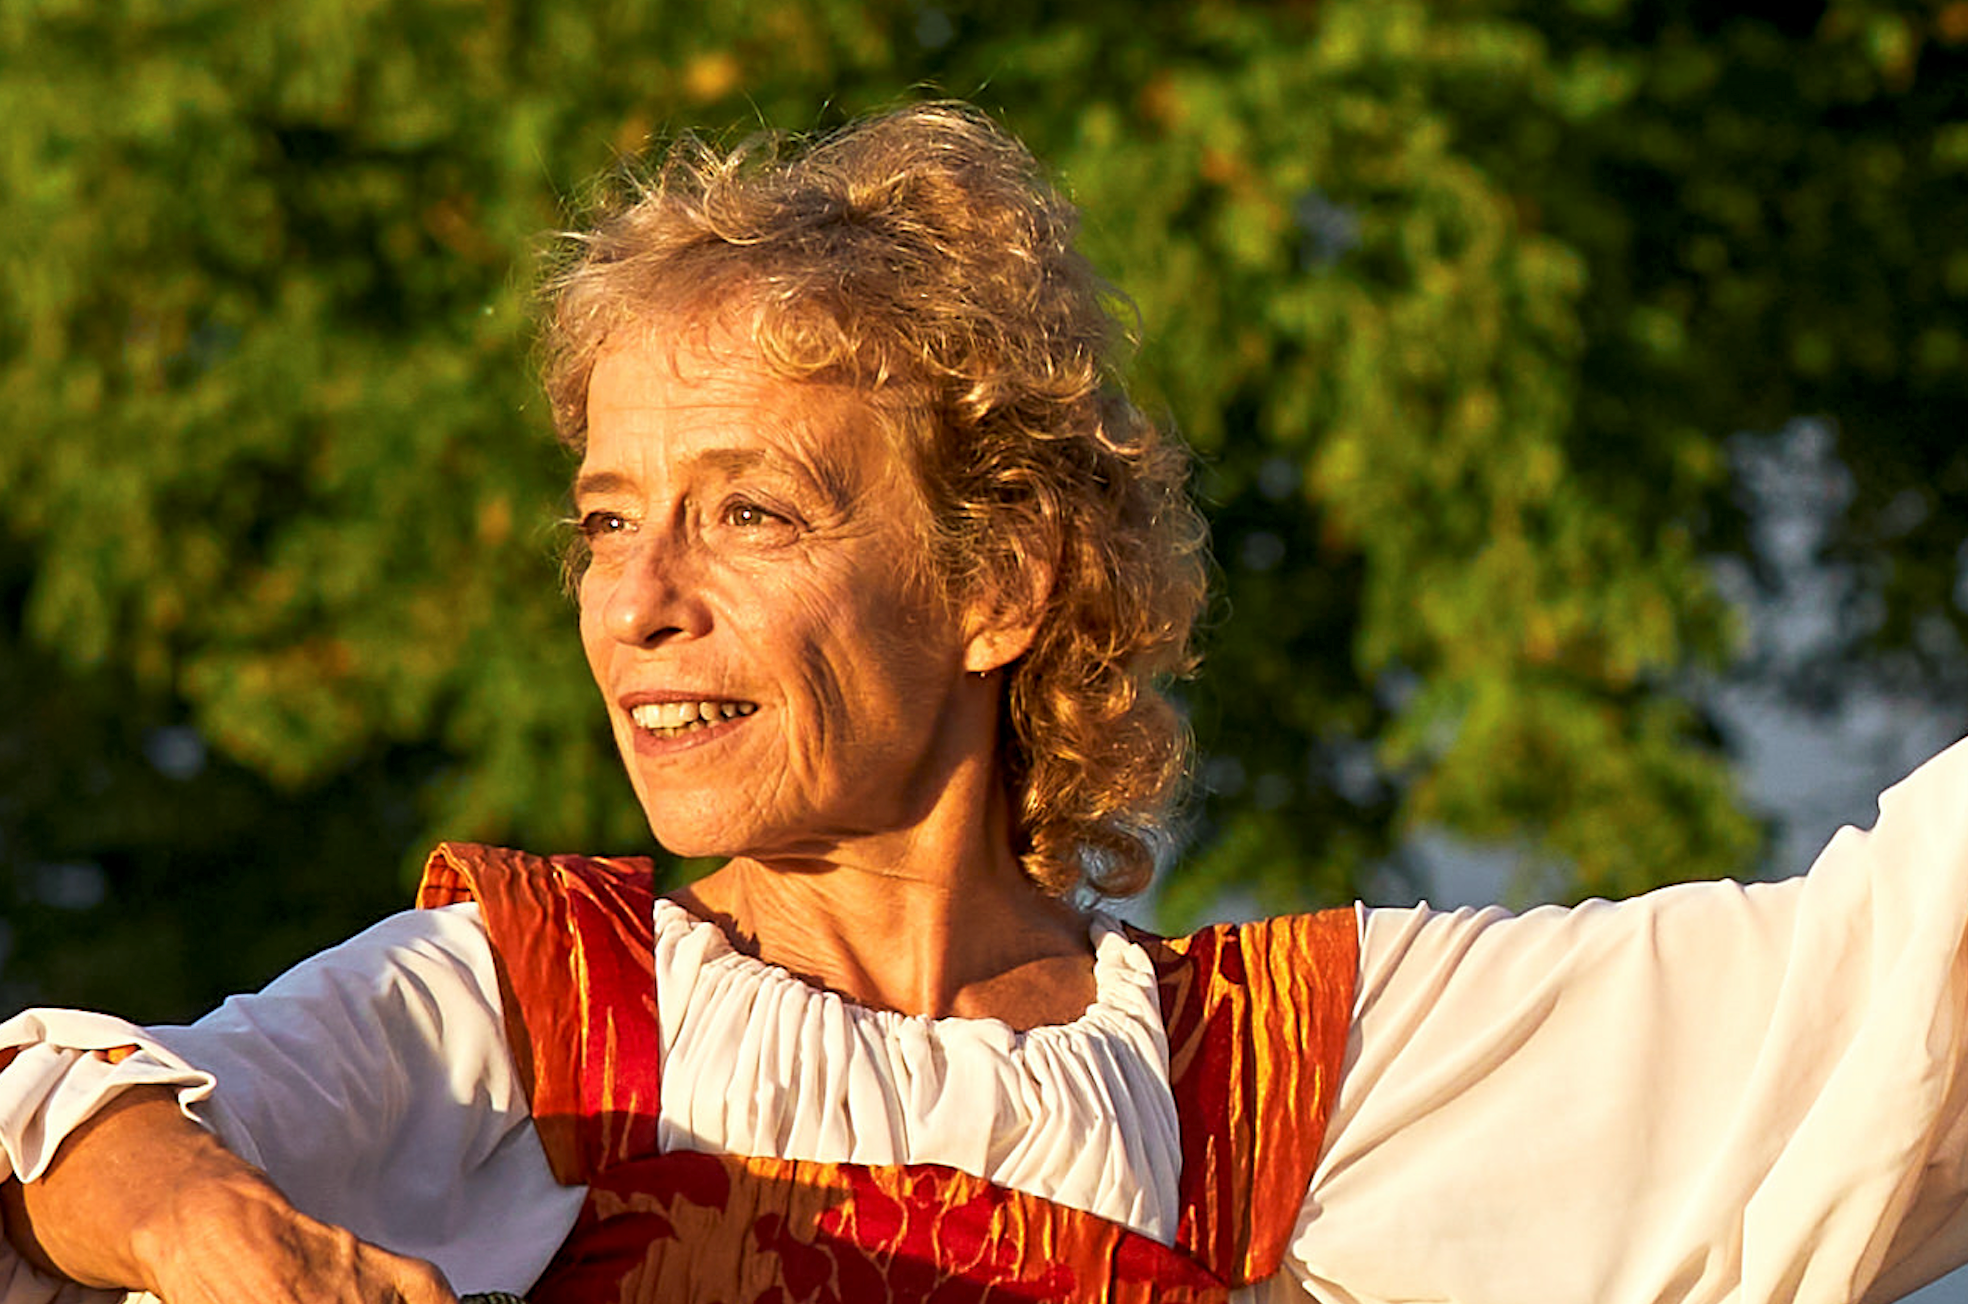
x=939, y=920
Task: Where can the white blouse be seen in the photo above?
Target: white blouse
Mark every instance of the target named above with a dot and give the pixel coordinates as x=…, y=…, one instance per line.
x=1709, y=1093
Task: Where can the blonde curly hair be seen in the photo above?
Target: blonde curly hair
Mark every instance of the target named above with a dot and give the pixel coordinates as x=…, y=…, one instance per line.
x=922, y=257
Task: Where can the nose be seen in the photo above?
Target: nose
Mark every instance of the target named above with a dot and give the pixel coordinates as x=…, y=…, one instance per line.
x=657, y=596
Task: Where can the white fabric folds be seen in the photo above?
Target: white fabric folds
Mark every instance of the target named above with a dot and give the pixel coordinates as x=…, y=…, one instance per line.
x=1713, y=1093
x=756, y=1062
x=1709, y=1093
x=372, y=1083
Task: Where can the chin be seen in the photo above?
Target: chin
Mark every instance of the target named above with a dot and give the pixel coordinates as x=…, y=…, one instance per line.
x=691, y=848
x=733, y=839
x=685, y=837
x=698, y=830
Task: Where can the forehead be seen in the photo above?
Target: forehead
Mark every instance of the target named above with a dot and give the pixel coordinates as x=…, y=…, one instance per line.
x=706, y=396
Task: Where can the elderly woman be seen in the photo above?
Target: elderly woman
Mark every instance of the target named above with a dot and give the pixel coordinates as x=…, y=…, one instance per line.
x=877, y=568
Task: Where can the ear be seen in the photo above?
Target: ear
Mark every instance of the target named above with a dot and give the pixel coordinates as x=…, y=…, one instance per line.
x=999, y=626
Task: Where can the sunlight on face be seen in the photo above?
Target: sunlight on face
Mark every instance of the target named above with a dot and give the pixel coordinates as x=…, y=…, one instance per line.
x=777, y=682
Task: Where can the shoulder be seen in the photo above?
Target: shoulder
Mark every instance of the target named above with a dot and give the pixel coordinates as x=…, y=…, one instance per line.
x=471, y=871
x=1283, y=948
x=572, y=940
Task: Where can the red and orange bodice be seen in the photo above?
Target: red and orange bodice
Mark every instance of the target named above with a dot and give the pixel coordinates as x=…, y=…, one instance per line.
x=1256, y=1017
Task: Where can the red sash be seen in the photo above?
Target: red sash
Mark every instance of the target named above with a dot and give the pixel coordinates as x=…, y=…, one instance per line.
x=1256, y=1016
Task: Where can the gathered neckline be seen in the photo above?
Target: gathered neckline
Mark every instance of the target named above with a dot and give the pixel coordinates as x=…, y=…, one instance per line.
x=757, y=1061
x=1120, y=967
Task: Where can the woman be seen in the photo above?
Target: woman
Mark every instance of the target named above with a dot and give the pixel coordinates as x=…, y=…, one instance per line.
x=876, y=569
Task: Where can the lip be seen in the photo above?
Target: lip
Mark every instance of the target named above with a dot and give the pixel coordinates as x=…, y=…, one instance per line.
x=656, y=696
x=652, y=745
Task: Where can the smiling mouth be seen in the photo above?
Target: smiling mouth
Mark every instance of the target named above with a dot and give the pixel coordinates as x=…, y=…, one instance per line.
x=674, y=719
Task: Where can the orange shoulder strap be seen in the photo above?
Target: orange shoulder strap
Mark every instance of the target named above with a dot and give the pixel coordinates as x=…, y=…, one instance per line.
x=573, y=939
x=1257, y=1016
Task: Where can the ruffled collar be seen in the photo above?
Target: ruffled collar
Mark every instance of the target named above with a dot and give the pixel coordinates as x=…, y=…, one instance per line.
x=758, y=1062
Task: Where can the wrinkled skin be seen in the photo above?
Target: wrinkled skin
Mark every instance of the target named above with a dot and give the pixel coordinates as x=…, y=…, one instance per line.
x=749, y=540
x=140, y=1196
x=754, y=551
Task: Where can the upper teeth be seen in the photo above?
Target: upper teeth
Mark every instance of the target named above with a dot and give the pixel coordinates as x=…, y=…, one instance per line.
x=675, y=715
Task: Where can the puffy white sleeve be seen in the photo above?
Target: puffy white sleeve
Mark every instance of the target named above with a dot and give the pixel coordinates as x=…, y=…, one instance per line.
x=1712, y=1092
x=372, y=1083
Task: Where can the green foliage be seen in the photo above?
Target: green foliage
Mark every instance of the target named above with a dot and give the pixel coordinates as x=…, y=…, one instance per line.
x=1456, y=301
x=1773, y=213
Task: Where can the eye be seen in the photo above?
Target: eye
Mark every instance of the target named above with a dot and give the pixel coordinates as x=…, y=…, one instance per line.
x=749, y=515
x=600, y=524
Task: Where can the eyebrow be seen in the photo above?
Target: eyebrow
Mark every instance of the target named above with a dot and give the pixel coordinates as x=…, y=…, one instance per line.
x=599, y=482
x=730, y=461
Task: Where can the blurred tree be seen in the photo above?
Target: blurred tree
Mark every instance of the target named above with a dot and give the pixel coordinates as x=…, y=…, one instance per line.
x=1457, y=302
x=1770, y=199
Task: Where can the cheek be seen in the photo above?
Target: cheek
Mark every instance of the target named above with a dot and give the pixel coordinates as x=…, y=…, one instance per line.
x=895, y=661
x=600, y=654
x=807, y=639
x=588, y=599
x=851, y=657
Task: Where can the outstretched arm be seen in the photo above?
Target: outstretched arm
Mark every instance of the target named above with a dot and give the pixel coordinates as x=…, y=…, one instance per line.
x=1712, y=1092
x=369, y=1089
x=141, y=1197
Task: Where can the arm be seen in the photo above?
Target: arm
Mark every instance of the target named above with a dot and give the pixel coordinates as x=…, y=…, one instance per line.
x=1712, y=1092
x=371, y=1085
x=140, y=1197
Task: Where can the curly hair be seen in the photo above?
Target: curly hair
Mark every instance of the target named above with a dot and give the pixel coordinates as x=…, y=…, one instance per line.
x=922, y=257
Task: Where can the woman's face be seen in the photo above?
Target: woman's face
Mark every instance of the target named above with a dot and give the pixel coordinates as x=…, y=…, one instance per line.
x=778, y=682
